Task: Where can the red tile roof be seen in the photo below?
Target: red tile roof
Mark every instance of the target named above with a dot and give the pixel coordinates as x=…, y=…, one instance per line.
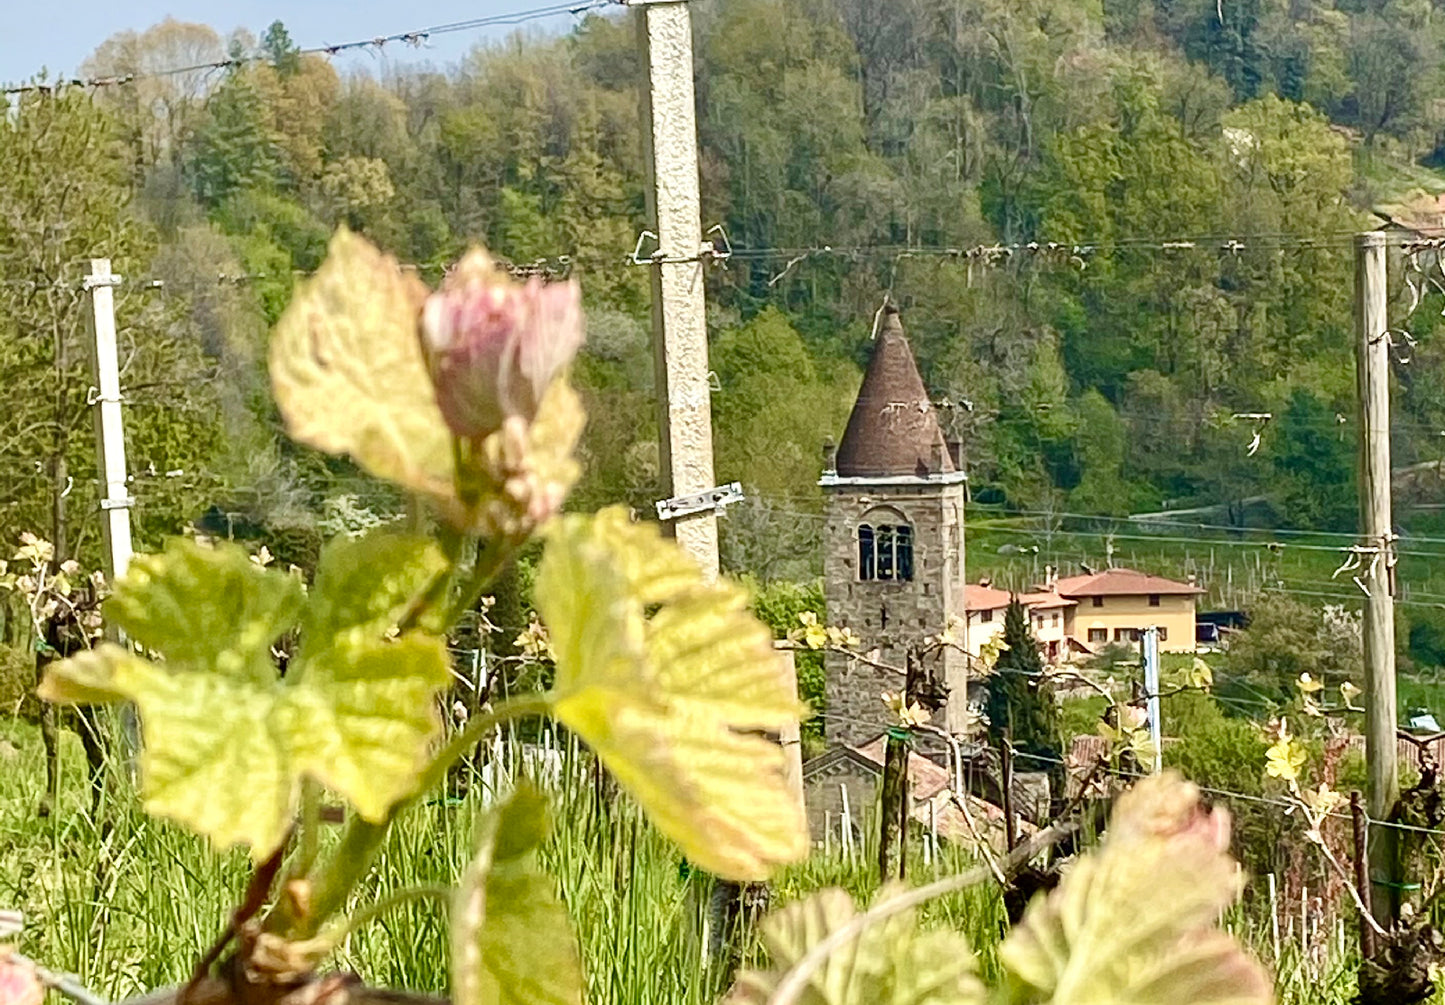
x=893, y=429
x=1045, y=600
x=977, y=597
x=1120, y=583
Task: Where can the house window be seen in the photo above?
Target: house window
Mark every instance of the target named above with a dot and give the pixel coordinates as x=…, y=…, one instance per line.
x=1153, y=600
x=1163, y=634
x=885, y=552
x=1126, y=635
x=1098, y=601
x=984, y=617
x=1098, y=635
x=1054, y=619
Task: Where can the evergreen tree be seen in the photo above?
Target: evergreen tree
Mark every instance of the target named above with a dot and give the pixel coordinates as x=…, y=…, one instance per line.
x=1017, y=704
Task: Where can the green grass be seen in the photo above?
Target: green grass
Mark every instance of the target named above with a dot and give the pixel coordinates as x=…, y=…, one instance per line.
x=130, y=909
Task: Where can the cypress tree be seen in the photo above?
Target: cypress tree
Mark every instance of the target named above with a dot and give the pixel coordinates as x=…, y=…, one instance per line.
x=1017, y=704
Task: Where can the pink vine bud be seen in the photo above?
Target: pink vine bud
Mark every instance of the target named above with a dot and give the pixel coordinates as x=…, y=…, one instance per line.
x=494, y=346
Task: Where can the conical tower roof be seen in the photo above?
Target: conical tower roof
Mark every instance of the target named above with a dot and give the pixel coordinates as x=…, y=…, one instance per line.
x=894, y=429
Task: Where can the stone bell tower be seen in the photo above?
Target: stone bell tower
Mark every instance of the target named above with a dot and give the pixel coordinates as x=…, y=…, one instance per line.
x=893, y=560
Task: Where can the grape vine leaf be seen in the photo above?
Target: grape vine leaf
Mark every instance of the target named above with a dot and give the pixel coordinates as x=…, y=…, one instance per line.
x=226, y=740
x=665, y=676
x=512, y=941
x=348, y=372
x=1134, y=920
x=363, y=585
x=891, y=961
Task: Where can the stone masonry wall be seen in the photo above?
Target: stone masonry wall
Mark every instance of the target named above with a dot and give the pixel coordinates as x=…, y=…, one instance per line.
x=889, y=615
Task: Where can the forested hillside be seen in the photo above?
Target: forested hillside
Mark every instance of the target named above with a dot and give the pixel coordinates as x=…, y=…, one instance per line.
x=849, y=147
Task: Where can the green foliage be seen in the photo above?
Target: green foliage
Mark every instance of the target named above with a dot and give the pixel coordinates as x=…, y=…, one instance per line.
x=66, y=200
x=234, y=148
x=892, y=961
x=1102, y=379
x=1285, y=639
x=1018, y=708
x=777, y=605
x=512, y=941
x=1224, y=751
x=665, y=698
x=1316, y=466
x=353, y=714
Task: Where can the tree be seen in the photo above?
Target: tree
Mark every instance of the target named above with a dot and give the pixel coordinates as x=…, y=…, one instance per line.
x=282, y=53
x=235, y=146
x=1285, y=639
x=159, y=108
x=65, y=201
x=1315, y=462
x=1020, y=711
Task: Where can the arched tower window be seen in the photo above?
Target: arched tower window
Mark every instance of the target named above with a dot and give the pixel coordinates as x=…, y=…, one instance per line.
x=885, y=552
x=865, y=552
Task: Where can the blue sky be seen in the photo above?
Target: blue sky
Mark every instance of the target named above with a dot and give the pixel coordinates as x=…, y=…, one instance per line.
x=59, y=34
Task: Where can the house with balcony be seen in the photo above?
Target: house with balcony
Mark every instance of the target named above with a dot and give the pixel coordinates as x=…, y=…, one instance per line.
x=1116, y=605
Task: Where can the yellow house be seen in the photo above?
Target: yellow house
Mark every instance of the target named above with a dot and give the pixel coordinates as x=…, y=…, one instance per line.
x=1116, y=605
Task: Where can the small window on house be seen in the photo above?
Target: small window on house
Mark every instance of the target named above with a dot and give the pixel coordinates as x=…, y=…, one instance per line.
x=1098, y=635
x=984, y=617
x=1153, y=600
x=1054, y=619
x=885, y=552
x=1163, y=634
x=1126, y=635
x=1098, y=601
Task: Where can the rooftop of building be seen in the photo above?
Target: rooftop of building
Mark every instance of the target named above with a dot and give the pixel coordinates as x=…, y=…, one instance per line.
x=1118, y=583
x=893, y=430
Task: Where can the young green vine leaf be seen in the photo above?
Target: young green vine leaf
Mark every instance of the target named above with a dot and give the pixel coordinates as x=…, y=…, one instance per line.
x=1133, y=921
x=662, y=675
x=512, y=941
x=226, y=740
x=892, y=961
x=348, y=372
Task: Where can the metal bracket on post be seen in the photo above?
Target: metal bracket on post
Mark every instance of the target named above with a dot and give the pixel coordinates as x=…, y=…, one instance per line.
x=700, y=502
x=718, y=251
x=92, y=282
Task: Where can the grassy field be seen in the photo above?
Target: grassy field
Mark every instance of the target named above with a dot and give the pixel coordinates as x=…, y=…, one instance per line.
x=1231, y=566
x=131, y=908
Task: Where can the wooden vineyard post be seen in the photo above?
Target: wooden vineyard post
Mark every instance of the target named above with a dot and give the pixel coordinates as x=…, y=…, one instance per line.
x=1362, y=873
x=893, y=791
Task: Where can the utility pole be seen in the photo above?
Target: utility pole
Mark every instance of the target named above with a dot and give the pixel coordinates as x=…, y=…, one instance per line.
x=1377, y=553
x=109, y=432
x=679, y=331
x=1149, y=653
